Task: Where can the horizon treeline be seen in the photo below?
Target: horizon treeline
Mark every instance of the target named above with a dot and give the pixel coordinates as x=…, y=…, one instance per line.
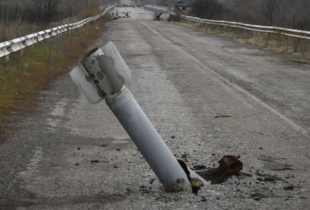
x=282, y=13
x=22, y=17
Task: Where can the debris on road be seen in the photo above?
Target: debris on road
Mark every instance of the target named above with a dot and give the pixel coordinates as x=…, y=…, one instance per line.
x=199, y=167
x=151, y=181
x=288, y=187
x=257, y=196
x=203, y=199
x=184, y=155
x=104, y=145
x=229, y=165
x=219, y=116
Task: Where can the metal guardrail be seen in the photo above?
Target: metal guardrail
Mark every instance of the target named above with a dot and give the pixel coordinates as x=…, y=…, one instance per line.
x=8, y=47
x=256, y=28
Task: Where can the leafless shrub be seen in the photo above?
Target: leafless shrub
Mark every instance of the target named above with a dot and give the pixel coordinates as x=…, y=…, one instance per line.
x=44, y=11
x=12, y=23
x=268, y=9
x=174, y=18
x=209, y=9
x=283, y=13
x=22, y=17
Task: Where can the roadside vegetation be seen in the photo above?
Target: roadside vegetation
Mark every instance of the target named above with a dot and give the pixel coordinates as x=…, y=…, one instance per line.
x=22, y=17
x=281, y=13
x=297, y=47
x=23, y=76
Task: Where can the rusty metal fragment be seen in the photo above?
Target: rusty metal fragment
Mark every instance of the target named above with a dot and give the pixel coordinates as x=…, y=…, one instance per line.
x=229, y=165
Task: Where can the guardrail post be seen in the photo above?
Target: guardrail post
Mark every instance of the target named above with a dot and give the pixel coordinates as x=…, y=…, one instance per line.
x=22, y=51
x=295, y=45
x=7, y=58
x=108, y=73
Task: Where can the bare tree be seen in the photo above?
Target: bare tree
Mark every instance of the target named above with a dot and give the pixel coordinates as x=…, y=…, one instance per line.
x=302, y=14
x=241, y=11
x=269, y=9
x=209, y=9
x=283, y=13
x=43, y=10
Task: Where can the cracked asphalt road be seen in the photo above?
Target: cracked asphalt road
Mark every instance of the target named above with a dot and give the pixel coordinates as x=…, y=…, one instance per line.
x=73, y=155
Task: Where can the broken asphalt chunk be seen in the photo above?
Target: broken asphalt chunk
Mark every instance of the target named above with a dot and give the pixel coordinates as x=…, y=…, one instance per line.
x=184, y=155
x=257, y=196
x=288, y=187
x=199, y=167
x=151, y=181
x=203, y=199
x=218, y=116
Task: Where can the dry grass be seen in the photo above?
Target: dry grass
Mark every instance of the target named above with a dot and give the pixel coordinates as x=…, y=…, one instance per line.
x=274, y=42
x=23, y=76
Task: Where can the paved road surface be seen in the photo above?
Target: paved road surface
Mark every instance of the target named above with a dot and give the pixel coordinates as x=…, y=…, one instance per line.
x=73, y=155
